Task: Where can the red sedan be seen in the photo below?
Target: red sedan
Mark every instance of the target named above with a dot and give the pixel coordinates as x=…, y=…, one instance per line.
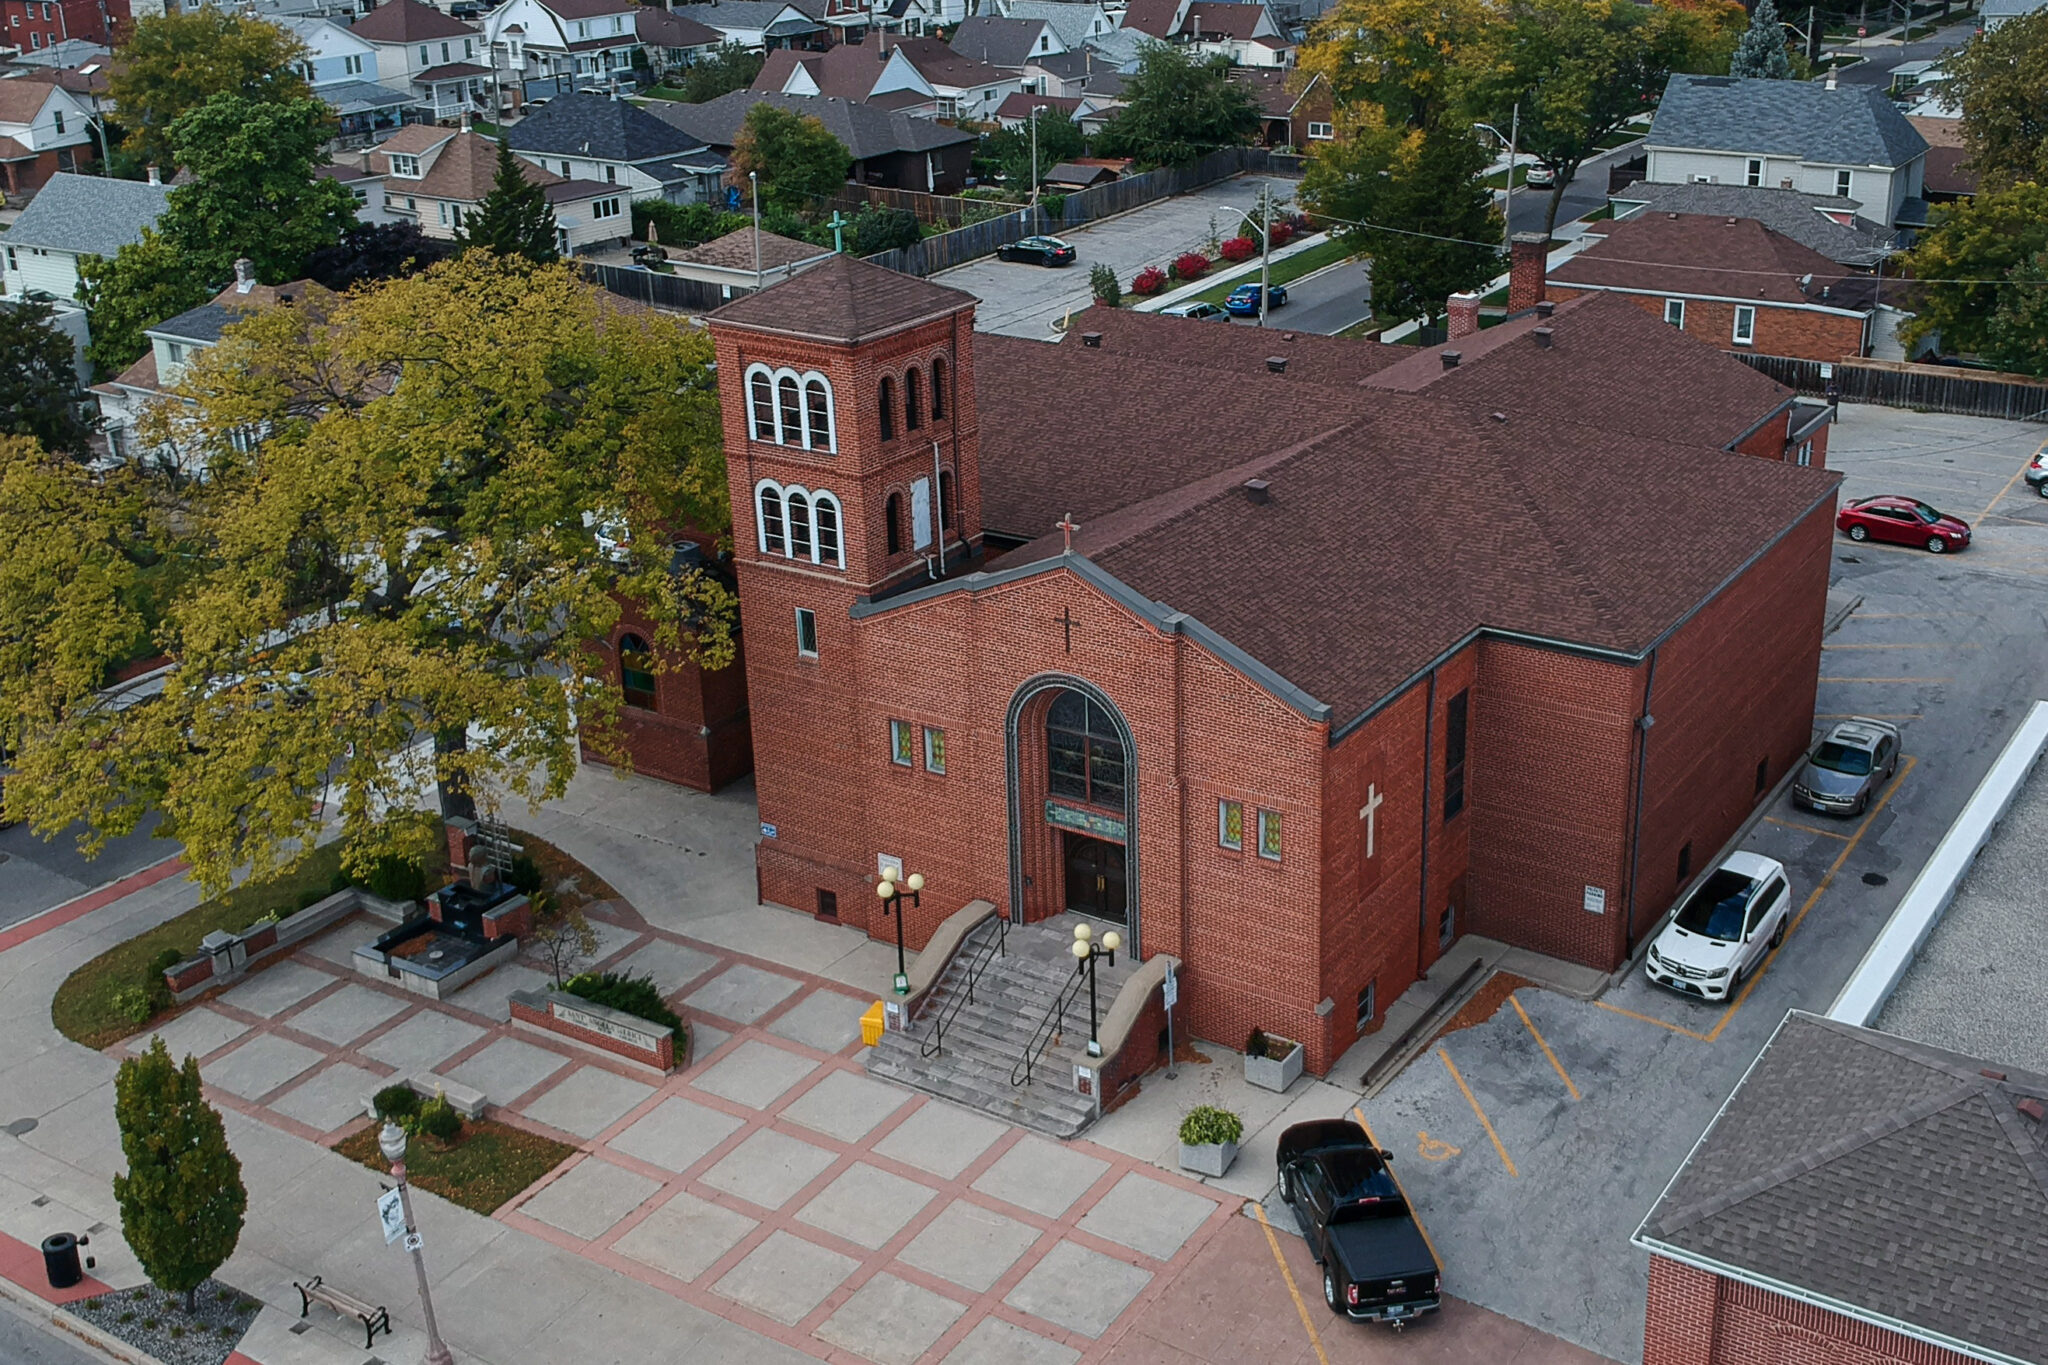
x=1903, y=521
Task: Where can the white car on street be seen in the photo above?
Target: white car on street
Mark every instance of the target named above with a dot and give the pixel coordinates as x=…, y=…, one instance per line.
x=1729, y=923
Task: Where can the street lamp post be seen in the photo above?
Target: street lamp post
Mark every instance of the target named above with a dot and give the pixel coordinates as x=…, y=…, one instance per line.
x=1507, y=211
x=391, y=1141
x=1086, y=951
x=891, y=893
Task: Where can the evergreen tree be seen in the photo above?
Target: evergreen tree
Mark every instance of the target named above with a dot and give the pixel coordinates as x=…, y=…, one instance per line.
x=181, y=1199
x=39, y=393
x=514, y=219
x=1761, y=53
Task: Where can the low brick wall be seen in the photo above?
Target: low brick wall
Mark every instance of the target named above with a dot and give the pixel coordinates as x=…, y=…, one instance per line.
x=592, y=1025
x=260, y=942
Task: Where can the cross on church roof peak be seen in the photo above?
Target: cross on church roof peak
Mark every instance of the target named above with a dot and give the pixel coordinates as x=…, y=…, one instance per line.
x=1068, y=525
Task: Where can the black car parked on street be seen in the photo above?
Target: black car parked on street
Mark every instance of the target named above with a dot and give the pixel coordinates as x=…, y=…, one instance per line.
x=1040, y=250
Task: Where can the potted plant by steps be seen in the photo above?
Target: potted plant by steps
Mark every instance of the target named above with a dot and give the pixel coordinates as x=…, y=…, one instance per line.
x=1270, y=1061
x=1208, y=1140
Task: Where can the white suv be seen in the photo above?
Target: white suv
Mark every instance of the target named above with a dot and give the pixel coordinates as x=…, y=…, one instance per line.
x=1724, y=928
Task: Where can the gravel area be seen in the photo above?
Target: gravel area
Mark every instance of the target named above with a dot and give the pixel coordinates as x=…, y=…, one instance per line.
x=153, y=1321
x=1975, y=988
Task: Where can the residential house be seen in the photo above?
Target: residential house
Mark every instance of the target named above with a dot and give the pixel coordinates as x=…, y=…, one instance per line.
x=1736, y=284
x=1298, y=112
x=342, y=70
x=1006, y=44
x=44, y=130
x=575, y=44
x=437, y=178
x=1948, y=176
x=1078, y=72
x=1998, y=13
x=38, y=25
x=741, y=262
x=365, y=184
x=587, y=136
x=889, y=147
x=1850, y=141
x=73, y=217
x=66, y=52
x=868, y=71
x=1016, y=111
x=1245, y=33
x=765, y=25
x=86, y=81
x=437, y=57
x=1073, y=22
x=673, y=40
x=963, y=86
x=1861, y=1197
x=1833, y=227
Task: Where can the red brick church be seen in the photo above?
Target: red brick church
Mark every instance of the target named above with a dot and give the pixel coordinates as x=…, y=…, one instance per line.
x=1291, y=656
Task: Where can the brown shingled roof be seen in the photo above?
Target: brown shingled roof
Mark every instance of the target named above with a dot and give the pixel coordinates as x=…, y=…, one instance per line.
x=735, y=251
x=844, y=301
x=408, y=21
x=1692, y=253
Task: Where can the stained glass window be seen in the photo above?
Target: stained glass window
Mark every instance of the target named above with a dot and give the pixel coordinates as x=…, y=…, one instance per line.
x=1084, y=752
x=934, y=750
x=902, y=743
x=1269, y=834
x=1230, y=824
x=636, y=673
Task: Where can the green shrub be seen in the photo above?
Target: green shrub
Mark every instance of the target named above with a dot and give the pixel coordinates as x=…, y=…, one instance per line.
x=397, y=1102
x=395, y=879
x=1205, y=1123
x=311, y=896
x=439, y=1119
x=136, y=1004
x=525, y=875
x=1102, y=283
x=339, y=882
x=629, y=994
x=165, y=960
x=1055, y=206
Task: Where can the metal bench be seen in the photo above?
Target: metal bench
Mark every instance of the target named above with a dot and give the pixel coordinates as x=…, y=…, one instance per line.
x=372, y=1318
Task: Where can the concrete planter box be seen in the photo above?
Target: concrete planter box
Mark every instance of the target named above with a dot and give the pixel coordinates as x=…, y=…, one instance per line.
x=1268, y=1074
x=1209, y=1158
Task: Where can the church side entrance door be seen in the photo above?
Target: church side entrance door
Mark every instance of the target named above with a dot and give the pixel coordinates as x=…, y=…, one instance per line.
x=1095, y=878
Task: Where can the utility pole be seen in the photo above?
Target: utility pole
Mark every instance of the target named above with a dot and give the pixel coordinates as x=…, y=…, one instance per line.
x=1034, y=153
x=1508, y=212
x=1265, y=253
x=754, y=183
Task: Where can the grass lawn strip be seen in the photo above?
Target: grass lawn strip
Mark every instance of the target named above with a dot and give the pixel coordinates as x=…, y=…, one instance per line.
x=489, y=1163
x=1332, y=252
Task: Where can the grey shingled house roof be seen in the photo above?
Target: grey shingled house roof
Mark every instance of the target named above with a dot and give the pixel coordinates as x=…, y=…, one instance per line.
x=864, y=129
x=1892, y=1178
x=1794, y=213
x=88, y=214
x=1854, y=125
x=586, y=124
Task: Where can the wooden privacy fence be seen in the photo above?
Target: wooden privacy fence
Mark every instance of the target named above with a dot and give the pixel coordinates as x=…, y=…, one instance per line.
x=673, y=292
x=1896, y=384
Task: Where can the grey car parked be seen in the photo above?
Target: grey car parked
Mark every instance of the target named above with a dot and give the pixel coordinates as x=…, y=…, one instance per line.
x=1850, y=763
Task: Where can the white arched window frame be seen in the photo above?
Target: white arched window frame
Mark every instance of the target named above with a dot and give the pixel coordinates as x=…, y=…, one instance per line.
x=771, y=532
x=790, y=407
x=829, y=544
x=795, y=522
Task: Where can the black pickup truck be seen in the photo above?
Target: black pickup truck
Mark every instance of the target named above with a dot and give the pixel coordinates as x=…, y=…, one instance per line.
x=1376, y=1264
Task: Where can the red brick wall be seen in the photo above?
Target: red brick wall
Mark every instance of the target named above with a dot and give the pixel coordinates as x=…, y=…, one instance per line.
x=1780, y=330
x=1735, y=685
x=92, y=20
x=662, y=1059
x=697, y=735
x=1699, y=1318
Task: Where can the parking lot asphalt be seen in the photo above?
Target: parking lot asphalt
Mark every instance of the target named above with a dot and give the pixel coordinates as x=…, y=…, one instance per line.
x=1533, y=1142
x=37, y=873
x=1027, y=300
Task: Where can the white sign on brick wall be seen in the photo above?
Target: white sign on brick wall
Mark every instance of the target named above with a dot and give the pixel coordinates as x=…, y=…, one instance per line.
x=1596, y=900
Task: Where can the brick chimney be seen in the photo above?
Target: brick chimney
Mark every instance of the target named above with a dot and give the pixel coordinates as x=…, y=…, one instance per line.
x=156, y=174
x=1527, y=270
x=1461, y=315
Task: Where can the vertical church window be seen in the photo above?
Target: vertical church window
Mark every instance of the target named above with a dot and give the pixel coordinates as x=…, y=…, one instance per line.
x=789, y=414
x=636, y=673
x=892, y=524
x=807, y=632
x=825, y=510
x=902, y=743
x=913, y=401
x=949, y=511
x=1269, y=835
x=1084, y=752
x=799, y=526
x=818, y=413
x=1230, y=825
x=1455, y=717
x=938, y=390
x=934, y=750
x=761, y=392
x=887, y=404
x=771, y=521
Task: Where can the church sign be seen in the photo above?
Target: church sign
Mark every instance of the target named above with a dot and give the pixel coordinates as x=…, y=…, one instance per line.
x=1086, y=822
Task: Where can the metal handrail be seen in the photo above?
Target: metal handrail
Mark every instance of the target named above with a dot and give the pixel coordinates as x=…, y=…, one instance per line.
x=1048, y=1027
x=994, y=947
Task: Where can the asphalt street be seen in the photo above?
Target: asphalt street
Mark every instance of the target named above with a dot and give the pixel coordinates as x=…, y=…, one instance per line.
x=24, y=1342
x=37, y=873
x=1883, y=56
x=1534, y=1142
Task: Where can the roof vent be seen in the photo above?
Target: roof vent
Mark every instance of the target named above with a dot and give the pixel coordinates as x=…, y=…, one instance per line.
x=1733, y=221
x=1092, y=340
x=1785, y=182
x=1672, y=216
x=1258, y=490
x=1277, y=364
x=1500, y=417
x=2032, y=1109
x=1988, y=1074
x=1451, y=359
x=1542, y=335
x=1544, y=308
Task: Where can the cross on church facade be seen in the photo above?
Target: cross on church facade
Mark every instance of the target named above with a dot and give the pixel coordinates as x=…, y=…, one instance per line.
x=1067, y=624
x=1369, y=813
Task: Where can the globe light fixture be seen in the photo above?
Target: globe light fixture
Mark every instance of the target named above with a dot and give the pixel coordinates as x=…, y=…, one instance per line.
x=890, y=892
x=1087, y=951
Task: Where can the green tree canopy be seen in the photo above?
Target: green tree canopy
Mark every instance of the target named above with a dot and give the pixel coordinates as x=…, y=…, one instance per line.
x=1962, y=260
x=181, y=1198
x=171, y=63
x=39, y=392
x=514, y=219
x=253, y=191
x=148, y=281
x=1411, y=60
x=794, y=156
x=1178, y=109
x=1007, y=151
x=2000, y=82
x=462, y=473
x=730, y=68
x=2016, y=338
x=1761, y=51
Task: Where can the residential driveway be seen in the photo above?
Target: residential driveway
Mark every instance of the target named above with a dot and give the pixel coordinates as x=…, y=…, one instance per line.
x=1534, y=1142
x=1027, y=300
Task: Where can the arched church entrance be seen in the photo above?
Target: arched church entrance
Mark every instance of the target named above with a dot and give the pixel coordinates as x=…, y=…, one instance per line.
x=1073, y=806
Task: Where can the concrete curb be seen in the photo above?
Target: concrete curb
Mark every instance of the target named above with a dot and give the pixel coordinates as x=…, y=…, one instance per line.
x=1251, y=267
x=37, y=1309
x=1927, y=900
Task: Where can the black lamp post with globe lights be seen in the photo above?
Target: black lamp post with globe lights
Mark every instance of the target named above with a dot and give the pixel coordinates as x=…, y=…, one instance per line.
x=1086, y=951
x=891, y=892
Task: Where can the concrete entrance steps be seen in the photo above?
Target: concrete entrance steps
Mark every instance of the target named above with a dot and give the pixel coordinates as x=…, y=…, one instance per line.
x=984, y=1039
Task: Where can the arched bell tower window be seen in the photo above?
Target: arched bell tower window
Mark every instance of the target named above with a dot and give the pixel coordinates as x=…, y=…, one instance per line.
x=913, y=400
x=799, y=525
x=789, y=413
x=787, y=408
x=818, y=414
x=1084, y=751
x=887, y=403
x=761, y=404
x=949, y=511
x=938, y=390
x=636, y=673
x=892, y=520
x=768, y=516
x=825, y=512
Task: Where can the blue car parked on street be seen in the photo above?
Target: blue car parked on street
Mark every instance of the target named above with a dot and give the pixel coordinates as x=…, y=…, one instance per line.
x=1244, y=300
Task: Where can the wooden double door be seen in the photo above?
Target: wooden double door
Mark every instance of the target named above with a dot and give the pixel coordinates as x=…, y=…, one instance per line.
x=1095, y=878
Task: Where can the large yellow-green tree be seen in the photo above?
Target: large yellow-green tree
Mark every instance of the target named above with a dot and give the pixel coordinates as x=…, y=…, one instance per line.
x=422, y=504
x=1400, y=63
x=171, y=63
x=1999, y=82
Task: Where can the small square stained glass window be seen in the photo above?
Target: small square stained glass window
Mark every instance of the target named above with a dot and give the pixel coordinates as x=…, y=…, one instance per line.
x=1269, y=834
x=1230, y=824
x=934, y=750
x=902, y=743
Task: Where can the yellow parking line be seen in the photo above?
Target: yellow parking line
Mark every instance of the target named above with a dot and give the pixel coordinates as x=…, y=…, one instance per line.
x=1555, y=1065
x=1866, y=715
x=1293, y=1290
x=1484, y=1122
x=1818, y=891
x=1825, y=678
x=1652, y=1019
x=1929, y=644
x=1903, y=615
x=1805, y=829
x=2000, y=495
x=1359, y=1114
